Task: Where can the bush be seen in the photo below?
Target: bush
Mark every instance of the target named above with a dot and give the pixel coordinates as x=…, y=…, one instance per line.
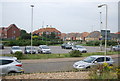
x=93, y=43
x=75, y=53
x=18, y=54
x=103, y=71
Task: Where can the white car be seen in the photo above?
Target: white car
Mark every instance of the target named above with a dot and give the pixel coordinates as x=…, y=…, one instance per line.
x=15, y=49
x=116, y=48
x=80, y=48
x=10, y=65
x=92, y=60
x=44, y=49
x=29, y=50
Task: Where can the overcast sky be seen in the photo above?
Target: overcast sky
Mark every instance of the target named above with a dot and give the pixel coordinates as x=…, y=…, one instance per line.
x=65, y=15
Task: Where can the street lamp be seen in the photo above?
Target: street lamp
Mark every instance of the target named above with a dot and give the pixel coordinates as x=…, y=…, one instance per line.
x=100, y=31
x=31, y=24
x=105, y=28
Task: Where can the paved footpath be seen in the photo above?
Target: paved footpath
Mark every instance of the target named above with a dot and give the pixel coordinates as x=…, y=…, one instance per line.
x=59, y=59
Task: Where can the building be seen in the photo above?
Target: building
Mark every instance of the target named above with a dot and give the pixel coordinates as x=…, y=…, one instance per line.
x=77, y=36
x=71, y=36
x=63, y=36
x=48, y=31
x=10, y=32
x=95, y=35
x=84, y=35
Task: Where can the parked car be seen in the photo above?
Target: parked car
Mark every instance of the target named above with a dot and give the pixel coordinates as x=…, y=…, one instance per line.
x=116, y=48
x=63, y=46
x=80, y=48
x=44, y=49
x=15, y=49
x=92, y=60
x=10, y=65
x=1, y=46
x=28, y=49
x=66, y=46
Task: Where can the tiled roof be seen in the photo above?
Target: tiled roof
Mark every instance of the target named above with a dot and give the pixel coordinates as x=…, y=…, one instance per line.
x=95, y=34
x=47, y=29
x=117, y=33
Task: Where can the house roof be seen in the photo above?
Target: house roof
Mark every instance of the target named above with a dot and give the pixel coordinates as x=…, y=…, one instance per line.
x=47, y=29
x=94, y=34
x=7, y=28
x=117, y=33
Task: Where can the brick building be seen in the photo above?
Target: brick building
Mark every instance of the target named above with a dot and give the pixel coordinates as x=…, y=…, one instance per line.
x=10, y=32
x=48, y=31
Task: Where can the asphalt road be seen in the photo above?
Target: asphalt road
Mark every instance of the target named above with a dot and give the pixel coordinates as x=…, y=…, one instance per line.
x=54, y=49
x=51, y=66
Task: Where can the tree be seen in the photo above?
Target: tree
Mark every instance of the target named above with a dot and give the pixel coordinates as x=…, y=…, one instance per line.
x=25, y=35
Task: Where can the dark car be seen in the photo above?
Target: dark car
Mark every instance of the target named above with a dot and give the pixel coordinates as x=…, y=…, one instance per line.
x=1, y=46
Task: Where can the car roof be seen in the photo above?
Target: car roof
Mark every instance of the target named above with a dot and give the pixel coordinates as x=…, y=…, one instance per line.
x=29, y=46
x=8, y=58
x=43, y=45
x=96, y=56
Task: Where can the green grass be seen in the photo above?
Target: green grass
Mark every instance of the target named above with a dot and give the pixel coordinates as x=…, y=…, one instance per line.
x=66, y=55
x=41, y=56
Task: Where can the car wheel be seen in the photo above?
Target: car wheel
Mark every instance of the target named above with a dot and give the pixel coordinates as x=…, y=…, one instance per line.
x=88, y=67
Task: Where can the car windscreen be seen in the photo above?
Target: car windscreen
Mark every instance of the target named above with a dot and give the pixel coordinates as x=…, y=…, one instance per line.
x=15, y=48
x=29, y=48
x=45, y=47
x=89, y=59
x=78, y=47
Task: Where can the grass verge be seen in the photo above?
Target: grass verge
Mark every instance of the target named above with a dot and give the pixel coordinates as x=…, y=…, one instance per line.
x=65, y=55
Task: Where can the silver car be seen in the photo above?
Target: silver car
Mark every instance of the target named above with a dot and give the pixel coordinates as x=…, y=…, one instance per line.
x=10, y=65
x=79, y=48
x=29, y=49
x=15, y=49
x=93, y=60
x=44, y=49
x=116, y=48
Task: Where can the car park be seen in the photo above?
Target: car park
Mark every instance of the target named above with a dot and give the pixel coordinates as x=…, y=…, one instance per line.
x=116, y=48
x=93, y=60
x=29, y=50
x=10, y=65
x=1, y=46
x=44, y=49
x=15, y=49
x=80, y=48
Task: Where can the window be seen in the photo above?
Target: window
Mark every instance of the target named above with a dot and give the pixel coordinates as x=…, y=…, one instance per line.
x=4, y=62
x=107, y=59
x=14, y=31
x=101, y=59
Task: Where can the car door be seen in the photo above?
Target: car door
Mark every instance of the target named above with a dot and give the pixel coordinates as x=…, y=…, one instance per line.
x=100, y=60
x=4, y=65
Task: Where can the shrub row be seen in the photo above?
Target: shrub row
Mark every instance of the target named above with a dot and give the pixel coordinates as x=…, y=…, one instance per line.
x=97, y=43
x=28, y=42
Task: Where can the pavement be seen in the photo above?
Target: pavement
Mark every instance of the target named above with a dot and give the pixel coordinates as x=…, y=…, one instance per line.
x=60, y=59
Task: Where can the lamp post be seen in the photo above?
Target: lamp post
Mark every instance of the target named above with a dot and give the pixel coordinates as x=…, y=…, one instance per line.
x=100, y=31
x=31, y=25
x=105, y=28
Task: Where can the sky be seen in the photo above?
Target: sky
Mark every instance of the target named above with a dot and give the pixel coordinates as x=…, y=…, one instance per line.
x=64, y=15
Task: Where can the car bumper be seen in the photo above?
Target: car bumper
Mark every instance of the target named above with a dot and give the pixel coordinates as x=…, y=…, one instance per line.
x=46, y=52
